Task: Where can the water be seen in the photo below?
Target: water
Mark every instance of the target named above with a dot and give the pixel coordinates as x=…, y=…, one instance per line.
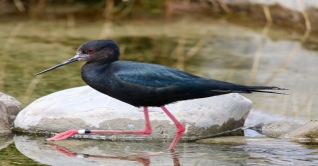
x=210, y=48
x=255, y=151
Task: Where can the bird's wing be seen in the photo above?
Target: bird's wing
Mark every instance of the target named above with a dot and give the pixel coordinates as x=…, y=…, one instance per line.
x=163, y=78
x=152, y=75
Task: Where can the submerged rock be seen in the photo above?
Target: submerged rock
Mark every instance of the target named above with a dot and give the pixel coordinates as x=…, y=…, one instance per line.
x=235, y=140
x=85, y=108
x=276, y=129
x=307, y=133
x=9, y=108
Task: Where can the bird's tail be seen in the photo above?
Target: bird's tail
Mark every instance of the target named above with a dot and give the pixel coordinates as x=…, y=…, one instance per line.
x=222, y=87
x=262, y=89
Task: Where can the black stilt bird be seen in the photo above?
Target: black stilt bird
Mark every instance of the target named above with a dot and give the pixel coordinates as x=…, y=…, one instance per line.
x=143, y=84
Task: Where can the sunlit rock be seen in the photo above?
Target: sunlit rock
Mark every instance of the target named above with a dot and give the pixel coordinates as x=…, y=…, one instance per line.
x=9, y=108
x=85, y=108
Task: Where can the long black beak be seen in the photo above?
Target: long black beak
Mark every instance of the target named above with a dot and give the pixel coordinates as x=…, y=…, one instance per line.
x=74, y=59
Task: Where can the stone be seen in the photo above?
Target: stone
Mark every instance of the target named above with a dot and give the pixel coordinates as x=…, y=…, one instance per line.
x=85, y=108
x=9, y=108
x=307, y=133
x=12, y=106
x=4, y=121
x=276, y=129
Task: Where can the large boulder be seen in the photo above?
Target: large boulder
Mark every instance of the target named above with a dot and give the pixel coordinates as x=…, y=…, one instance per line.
x=9, y=108
x=85, y=108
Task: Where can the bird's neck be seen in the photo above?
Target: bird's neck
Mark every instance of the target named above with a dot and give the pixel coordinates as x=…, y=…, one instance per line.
x=93, y=68
x=96, y=75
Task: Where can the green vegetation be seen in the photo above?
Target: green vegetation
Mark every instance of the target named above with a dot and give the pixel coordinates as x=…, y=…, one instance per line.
x=10, y=156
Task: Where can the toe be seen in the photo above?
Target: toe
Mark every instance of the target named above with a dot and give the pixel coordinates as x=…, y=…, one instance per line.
x=64, y=135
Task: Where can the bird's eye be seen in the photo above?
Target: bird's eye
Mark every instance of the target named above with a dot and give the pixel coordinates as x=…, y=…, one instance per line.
x=90, y=51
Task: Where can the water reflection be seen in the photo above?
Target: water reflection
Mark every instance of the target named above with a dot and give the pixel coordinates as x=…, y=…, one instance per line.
x=143, y=159
x=257, y=150
x=76, y=152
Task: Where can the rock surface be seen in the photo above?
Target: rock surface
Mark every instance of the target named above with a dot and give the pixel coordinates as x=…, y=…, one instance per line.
x=307, y=133
x=9, y=108
x=85, y=108
x=4, y=121
x=276, y=129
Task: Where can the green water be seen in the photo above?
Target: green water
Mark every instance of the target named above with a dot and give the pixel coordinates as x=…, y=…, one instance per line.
x=29, y=47
x=10, y=155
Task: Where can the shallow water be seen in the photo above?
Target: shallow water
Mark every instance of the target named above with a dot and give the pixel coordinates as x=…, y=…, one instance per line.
x=210, y=48
x=255, y=151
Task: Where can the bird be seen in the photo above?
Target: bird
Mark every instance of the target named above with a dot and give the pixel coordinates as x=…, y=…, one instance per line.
x=148, y=85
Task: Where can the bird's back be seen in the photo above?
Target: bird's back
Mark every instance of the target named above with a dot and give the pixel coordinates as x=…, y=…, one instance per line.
x=145, y=84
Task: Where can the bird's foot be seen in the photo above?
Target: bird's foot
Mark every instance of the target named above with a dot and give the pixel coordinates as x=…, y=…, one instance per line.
x=64, y=135
x=62, y=150
x=146, y=131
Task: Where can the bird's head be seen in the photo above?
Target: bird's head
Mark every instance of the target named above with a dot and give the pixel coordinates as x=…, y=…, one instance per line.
x=104, y=51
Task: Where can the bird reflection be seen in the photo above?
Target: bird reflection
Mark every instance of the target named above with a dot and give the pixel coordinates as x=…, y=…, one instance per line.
x=142, y=158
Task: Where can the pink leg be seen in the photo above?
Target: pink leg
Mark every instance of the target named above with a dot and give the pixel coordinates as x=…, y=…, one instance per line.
x=72, y=132
x=180, y=127
x=144, y=159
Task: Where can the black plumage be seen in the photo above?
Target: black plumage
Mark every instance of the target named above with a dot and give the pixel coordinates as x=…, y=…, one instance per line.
x=144, y=84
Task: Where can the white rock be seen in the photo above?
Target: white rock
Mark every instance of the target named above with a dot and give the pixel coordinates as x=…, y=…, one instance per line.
x=85, y=108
